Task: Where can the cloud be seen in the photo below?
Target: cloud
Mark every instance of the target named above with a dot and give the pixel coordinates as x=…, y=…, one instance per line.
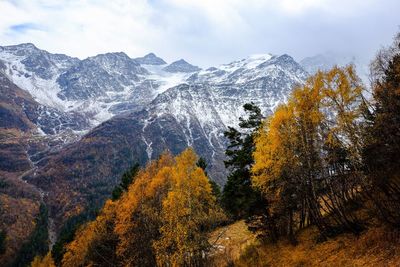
x=23, y=28
x=205, y=32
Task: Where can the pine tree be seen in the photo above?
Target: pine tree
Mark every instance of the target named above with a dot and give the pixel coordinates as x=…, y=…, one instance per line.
x=3, y=235
x=126, y=180
x=239, y=198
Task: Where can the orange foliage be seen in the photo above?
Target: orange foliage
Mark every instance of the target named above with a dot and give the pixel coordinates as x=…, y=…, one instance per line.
x=46, y=261
x=162, y=218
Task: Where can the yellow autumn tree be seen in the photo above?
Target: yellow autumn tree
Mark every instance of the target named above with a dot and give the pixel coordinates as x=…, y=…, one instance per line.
x=308, y=151
x=275, y=171
x=95, y=242
x=46, y=261
x=162, y=219
x=188, y=211
x=342, y=100
x=138, y=212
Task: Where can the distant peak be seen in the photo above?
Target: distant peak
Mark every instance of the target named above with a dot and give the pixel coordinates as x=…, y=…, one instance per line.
x=181, y=61
x=150, y=59
x=181, y=65
x=150, y=55
x=23, y=46
x=260, y=56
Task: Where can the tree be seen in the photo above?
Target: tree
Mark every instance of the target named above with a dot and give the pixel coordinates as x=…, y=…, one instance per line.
x=68, y=231
x=162, y=219
x=216, y=190
x=94, y=243
x=381, y=160
x=188, y=212
x=138, y=217
x=276, y=171
x=3, y=235
x=238, y=197
x=308, y=155
x=38, y=241
x=46, y=261
x=126, y=180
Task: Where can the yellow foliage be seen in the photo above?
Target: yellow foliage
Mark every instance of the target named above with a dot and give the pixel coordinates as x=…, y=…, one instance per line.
x=46, y=261
x=161, y=219
x=78, y=249
x=188, y=207
x=319, y=123
x=325, y=107
x=375, y=247
x=273, y=148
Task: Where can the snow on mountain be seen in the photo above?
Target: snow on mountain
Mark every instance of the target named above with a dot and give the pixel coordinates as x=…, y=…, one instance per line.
x=128, y=111
x=98, y=87
x=198, y=112
x=171, y=106
x=113, y=83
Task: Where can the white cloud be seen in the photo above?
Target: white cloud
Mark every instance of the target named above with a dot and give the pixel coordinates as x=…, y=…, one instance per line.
x=203, y=31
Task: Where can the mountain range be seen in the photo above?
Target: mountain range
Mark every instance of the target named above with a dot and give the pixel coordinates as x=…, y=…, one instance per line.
x=70, y=127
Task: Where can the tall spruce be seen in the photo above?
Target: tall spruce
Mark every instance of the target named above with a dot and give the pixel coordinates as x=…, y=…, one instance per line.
x=239, y=197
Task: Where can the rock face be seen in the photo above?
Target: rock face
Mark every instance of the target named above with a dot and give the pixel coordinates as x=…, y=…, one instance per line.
x=125, y=110
x=95, y=76
x=181, y=66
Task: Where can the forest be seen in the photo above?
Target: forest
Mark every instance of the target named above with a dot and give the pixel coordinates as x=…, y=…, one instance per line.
x=327, y=159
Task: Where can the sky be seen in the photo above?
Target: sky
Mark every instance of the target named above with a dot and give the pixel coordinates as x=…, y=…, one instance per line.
x=204, y=32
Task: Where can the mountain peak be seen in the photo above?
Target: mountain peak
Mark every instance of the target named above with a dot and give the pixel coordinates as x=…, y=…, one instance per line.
x=181, y=66
x=20, y=47
x=111, y=55
x=150, y=59
x=25, y=45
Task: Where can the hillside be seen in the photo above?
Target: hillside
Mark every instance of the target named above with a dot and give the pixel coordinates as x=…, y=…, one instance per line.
x=375, y=247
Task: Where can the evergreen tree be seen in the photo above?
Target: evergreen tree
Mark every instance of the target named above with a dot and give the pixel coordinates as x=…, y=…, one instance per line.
x=3, y=236
x=239, y=198
x=381, y=154
x=126, y=180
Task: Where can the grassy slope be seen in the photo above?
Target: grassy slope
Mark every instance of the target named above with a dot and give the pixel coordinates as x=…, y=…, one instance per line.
x=374, y=247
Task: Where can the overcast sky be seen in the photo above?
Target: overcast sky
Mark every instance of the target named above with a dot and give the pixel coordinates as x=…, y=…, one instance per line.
x=204, y=32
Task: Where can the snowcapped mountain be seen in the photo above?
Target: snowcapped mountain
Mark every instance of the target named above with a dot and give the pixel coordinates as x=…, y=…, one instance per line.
x=98, y=87
x=105, y=85
x=133, y=109
x=110, y=84
x=194, y=113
